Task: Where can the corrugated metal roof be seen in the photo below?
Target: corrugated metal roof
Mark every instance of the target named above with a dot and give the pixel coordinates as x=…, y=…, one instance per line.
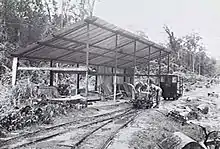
x=69, y=45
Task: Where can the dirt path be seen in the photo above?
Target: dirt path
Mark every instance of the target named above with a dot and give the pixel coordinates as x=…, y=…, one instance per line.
x=151, y=126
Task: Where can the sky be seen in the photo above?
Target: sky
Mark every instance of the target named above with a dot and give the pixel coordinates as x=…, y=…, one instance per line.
x=182, y=16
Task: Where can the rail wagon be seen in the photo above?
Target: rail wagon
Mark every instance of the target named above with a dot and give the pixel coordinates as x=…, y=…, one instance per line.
x=172, y=86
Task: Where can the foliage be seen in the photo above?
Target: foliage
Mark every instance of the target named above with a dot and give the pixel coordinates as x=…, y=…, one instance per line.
x=42, y=112
x=23, y=22
x=190, y=54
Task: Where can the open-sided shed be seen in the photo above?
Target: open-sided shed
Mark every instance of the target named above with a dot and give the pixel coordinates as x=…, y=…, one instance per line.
x=96, y=42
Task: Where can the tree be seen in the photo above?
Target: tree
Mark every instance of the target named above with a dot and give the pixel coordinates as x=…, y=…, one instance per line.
x=190, y=53
x=192, y=43
x=175, y=44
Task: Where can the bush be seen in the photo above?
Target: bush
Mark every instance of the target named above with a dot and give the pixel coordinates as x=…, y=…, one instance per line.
x=24, y=91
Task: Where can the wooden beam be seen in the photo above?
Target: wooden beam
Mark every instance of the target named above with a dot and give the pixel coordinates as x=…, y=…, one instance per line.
x=96, y=79
x=124, y=34
x=71, y=52
x=115, y=77
x=159, y=62
x=71, y=29
x=111, y=74
x=126, y=54
x=111, y=78
x=148, y=75
x=51, y=74
x=109, y=50
x=42, y=46
x=87, y=61
x=77, y=80
x=101, y=40
x=59, y=47
x=79, y=42
x=124, y=76
x=14, y=70
x=138, y=58
x=66, y=32
x=98, y=47
x=55, y=69
x=62, y=61
x=134, y=67
x=149, y=56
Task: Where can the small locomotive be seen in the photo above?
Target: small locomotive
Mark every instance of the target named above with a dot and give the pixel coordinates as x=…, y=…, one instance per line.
x=172, y=86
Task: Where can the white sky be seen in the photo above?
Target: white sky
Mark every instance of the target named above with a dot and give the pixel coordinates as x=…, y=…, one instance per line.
x=182, y=16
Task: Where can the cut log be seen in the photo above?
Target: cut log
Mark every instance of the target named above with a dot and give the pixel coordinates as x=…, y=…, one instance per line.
x=179, y=141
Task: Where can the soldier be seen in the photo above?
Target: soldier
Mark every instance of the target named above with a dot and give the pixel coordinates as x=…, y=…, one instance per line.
x=158, y=91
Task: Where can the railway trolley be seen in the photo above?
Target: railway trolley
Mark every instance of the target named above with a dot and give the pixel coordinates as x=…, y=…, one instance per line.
x=172, y=86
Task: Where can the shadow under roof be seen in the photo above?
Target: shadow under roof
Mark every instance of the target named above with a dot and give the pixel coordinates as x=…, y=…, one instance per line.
x=69, y=45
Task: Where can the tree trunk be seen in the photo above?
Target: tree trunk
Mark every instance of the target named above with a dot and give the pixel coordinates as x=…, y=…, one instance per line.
x=193, y=63
x=199, y=65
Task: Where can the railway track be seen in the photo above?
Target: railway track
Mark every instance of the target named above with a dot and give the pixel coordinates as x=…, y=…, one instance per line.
x=128, y=117
x=18, y=141
x=113, y=134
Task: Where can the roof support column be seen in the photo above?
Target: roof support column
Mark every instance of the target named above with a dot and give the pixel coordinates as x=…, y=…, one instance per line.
x=77, y=80
x=113, y=78
x=116, y=63
x=87, y=61
x=168, y=63
x=14, y=70
x=159, y=63
x=57, y=75
x=134, y=69
x=125, y=77
x=148, y=70
x=51, y=74
x=96, y=79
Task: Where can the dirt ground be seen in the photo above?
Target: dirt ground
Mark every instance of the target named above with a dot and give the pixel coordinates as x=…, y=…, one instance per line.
x=151, y=126
x=97, y=108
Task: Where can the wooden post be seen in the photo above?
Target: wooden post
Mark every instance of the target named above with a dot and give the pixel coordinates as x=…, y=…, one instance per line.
x=148, y=71
x=168, y=63
x=51, y=74
x=87, y=61
x=57, y=76
x=14, y=70
x=115, y=76
x=77, y=80
x=96, y=79
x=134, y=68
x=148, y=62
x=159, y=62
x=125, y=76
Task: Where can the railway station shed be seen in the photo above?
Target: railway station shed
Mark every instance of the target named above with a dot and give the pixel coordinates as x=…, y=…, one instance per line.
x=115, y=52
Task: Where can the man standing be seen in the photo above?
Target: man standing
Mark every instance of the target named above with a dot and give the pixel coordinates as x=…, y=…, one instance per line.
x=158, y=92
